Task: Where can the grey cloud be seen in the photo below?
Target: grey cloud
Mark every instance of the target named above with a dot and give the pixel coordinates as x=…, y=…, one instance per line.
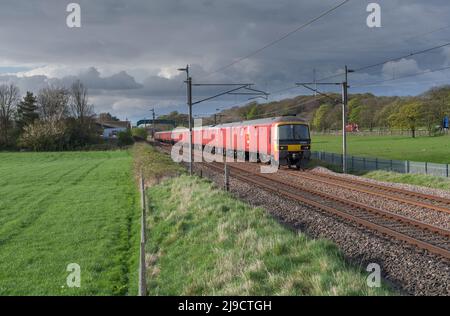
x=143, y=37
x=92, y=79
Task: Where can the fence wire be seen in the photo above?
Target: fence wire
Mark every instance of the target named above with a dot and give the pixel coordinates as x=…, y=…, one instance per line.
x=355, y=163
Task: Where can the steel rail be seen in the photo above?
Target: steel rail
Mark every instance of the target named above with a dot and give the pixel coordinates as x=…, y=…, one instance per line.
x=425, y=196
x=383, y=195
x=404, y=219
x=268, y=184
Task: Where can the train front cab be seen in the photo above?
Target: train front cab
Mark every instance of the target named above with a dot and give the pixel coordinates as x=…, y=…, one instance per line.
x=294, y=144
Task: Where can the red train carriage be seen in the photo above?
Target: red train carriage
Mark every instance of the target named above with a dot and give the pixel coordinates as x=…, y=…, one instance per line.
x=285, y=139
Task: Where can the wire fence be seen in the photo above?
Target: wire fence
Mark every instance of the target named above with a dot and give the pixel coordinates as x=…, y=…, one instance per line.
x=380, y=132
x=355, y=163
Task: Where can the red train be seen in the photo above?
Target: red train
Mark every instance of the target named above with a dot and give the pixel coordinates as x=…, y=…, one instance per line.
x=285, y=139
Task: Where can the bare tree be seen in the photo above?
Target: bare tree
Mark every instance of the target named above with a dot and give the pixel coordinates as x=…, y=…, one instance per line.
x=9, y=97
x=53, y=103
x=79, y=106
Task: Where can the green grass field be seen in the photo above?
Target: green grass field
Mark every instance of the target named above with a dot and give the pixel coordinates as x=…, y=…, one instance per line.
x=62, y=208
x=430, y=149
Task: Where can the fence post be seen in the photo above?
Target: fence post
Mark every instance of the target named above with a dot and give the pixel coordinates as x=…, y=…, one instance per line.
x=142, y=266
x=426, y=167
x=376, y=163
x=226, y=178
x=364, y=163
x=446, y=170
x=141, y=187
x=353, y=163
x=392, y=167
x=407, y=166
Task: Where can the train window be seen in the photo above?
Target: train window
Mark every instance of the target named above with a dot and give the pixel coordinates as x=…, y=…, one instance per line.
x=293, y=132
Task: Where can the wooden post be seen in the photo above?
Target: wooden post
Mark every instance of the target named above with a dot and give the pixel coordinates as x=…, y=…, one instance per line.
x=142, y=272
x=226, y=178
x=142, y=190
x=142, y=266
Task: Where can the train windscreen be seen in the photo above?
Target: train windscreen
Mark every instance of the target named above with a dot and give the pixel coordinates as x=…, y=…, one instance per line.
x=293, y=132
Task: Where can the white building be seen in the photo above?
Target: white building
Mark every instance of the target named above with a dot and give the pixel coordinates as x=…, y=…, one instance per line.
x=110, y=129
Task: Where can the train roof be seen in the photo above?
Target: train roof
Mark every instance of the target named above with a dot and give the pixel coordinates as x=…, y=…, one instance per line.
x=263, y=121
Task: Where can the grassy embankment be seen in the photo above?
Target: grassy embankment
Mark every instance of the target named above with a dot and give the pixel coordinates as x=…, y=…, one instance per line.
x=202, y=241
x=415, y=179
x=430, y=149
x=62, y=208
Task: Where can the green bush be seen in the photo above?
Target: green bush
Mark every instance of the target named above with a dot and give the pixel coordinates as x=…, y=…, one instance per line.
x=140, y=133
x=125, y=138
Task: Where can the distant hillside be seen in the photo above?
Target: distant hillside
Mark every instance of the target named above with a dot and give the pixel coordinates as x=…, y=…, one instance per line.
x=303, y=105
x=366, y=110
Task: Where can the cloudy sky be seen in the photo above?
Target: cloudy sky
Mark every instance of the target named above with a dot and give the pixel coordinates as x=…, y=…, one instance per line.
x=127, y=52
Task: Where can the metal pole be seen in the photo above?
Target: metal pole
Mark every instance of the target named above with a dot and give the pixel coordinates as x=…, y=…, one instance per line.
x=153, y=127
x=189, y=84
x=344, y=122
x=315, y=83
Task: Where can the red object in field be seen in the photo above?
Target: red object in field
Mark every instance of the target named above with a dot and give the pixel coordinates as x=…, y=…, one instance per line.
x=352, y=127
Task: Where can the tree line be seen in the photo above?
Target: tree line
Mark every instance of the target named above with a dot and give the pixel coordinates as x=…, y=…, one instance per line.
x=57, y=118
x=369, y=112
x=425, y=111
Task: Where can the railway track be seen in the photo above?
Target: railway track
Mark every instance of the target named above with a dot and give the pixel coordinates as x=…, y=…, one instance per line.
x=399, y=195
x=419, y=234
x=422, y=235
